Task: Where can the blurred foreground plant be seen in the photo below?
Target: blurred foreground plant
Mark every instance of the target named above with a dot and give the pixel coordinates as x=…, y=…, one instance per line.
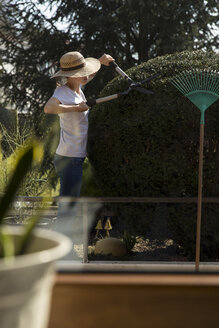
x=27, y=157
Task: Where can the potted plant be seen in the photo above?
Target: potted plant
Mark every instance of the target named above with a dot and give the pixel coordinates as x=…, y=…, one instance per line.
x=27, y=257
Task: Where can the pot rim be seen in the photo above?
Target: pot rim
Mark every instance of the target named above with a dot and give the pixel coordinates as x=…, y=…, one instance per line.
x=62, y=246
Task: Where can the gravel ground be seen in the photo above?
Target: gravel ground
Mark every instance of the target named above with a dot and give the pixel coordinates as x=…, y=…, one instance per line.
x=144, y=250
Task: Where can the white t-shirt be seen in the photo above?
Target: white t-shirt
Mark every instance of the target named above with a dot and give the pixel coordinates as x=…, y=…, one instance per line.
x=74, y=125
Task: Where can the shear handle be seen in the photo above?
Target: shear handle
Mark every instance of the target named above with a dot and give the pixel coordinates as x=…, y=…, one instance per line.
x=120, y=71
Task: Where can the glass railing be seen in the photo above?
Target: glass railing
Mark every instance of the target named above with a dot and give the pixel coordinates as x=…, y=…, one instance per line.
x=133, y=233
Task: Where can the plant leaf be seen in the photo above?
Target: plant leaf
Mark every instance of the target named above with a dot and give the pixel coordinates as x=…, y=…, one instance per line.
x=7, y=243
x=25, y=239
x=21, y=169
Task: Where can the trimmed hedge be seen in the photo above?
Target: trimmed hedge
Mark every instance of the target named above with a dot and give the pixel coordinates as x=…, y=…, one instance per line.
x=147, y=145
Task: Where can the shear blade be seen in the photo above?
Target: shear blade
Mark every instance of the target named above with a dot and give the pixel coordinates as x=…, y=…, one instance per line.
x=150, y=78
x=142, y=90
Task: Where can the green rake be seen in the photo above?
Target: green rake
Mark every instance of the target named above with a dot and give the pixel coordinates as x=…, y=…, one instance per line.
x=201, y=87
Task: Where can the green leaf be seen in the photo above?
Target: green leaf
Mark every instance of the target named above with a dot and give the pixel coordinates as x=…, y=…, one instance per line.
x=26, y=237
x=21, y=169
x=7, y=243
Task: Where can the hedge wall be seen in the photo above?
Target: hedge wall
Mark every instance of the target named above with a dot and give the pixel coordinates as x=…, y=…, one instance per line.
x=147, y=145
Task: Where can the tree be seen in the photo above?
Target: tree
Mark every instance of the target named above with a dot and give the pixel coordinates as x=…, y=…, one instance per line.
x=29, y=40
x=132, y=31
x=139, y=30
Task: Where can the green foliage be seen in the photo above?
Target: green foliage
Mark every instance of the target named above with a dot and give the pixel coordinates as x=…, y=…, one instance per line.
x=14, y=134
x=14, y=129
x=146, y=28
x=89, y=187
x=147, y=146
x=7, y=118
x=25, y=159
x=21, y=169
x=129, y=241
x=182, y=221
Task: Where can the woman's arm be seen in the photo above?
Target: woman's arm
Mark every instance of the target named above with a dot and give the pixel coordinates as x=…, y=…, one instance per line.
x=53, y=106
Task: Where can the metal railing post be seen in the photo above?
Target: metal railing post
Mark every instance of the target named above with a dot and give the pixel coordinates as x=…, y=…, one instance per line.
x=85, y=233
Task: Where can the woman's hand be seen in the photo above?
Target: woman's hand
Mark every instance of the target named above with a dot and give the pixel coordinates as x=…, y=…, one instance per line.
x=106, y=59
x=82, y=107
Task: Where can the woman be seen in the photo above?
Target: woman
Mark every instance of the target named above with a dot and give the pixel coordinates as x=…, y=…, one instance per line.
x=69, y=102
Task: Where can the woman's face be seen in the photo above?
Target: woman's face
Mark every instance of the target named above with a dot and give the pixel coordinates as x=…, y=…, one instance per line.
x=78, y=80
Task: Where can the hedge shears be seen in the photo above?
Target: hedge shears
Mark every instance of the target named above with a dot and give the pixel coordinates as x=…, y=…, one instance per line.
x=137, y=86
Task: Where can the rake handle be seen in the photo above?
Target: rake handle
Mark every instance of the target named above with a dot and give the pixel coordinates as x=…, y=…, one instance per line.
x=199, y=210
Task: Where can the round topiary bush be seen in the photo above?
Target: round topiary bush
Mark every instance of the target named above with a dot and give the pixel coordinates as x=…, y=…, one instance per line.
x=147, y=145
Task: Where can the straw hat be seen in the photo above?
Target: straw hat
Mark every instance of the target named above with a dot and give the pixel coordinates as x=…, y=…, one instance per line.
x=73, y=64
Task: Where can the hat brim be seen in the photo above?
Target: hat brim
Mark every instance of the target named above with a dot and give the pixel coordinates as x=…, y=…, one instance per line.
x=92, y=65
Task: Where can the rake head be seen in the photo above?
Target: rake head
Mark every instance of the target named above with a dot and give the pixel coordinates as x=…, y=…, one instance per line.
x=200, y=87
